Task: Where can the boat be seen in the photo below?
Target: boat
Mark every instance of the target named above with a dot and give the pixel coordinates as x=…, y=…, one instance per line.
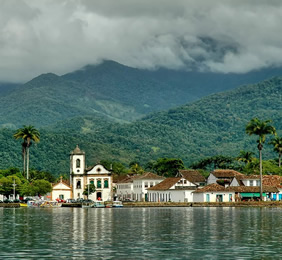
x=51, y=204
x=34, y=203
x=108, y=205
x=117, y=204
x=98, y=204
x=87, y=205
x=23, y=205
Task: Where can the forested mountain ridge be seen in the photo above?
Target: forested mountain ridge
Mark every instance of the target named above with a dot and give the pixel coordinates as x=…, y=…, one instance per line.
x=210, y=126
x=117, y=92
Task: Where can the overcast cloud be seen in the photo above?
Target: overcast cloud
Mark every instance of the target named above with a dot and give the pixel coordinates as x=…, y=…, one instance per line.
x=39, y=36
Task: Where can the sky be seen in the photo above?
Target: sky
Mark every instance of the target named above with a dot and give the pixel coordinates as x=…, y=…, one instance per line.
x=59, y=36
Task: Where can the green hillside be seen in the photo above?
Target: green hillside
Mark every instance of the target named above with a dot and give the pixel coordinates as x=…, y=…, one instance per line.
x=114, y=91
x=211, y=126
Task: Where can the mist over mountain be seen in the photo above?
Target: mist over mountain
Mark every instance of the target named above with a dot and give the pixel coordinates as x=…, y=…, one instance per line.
x=118, y=93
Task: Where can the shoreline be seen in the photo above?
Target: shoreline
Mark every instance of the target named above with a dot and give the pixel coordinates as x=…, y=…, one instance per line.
x=272, y=204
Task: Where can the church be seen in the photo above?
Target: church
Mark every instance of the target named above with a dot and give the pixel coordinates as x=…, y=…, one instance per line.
x=81, y=177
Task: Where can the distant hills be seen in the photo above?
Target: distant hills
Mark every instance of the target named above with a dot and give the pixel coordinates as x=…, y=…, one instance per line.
x=210, y=126
x=111, y=90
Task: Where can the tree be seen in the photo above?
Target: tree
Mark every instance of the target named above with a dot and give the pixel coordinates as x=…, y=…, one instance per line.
x=6, y=185
x=261, y=129
x=36, y=188
x=89, y=189
x=215, y=162
x=28, y=134
x=277, y=147
x=245, y=157
x=168, y=167
x=136, y=168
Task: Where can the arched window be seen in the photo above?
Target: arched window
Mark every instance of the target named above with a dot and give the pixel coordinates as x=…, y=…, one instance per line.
x=99, y=183
x=78, y=163
x=106, y=183
x=78, y=184
x=92, y=181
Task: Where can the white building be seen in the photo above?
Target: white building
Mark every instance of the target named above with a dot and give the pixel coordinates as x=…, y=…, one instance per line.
x=142, y=182
x=124, y=188
x=61, y=191
x=222, y=177
x=214, y=193
x=246, y=180
x=178, y=189
x=81, y=177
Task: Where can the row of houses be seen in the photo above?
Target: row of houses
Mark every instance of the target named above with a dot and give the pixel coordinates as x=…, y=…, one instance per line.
x=186, y=186
x=191, y=186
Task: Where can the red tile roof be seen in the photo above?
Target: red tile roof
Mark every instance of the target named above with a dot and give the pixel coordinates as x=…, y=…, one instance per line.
x=252, y=189
x=248, y=177
x=210, y=188
x=272, y=180
x=150, y=175
x=192, y=176
x=166, y=184
x=226, y=173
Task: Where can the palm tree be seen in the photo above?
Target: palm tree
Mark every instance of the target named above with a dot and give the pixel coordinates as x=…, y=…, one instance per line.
x=277, y=147
x=261, y=129
x=28, y=134
x=245, y=157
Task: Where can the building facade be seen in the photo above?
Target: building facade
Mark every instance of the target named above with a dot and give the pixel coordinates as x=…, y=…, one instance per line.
x=81, y=178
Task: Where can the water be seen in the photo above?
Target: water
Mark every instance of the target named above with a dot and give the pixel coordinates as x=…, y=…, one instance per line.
x=141, y=233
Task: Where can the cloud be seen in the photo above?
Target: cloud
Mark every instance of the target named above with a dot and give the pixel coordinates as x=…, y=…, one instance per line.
x=60, y=36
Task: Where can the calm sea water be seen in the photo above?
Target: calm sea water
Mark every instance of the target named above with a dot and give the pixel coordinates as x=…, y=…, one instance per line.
x=141, y=233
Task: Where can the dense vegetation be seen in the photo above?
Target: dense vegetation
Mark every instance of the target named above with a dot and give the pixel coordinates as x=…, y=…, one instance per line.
x=214, y=125
x=117, y=92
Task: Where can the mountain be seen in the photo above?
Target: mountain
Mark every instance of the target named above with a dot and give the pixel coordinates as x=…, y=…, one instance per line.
x=116, y=92
x=210, y=126
x=6, y=87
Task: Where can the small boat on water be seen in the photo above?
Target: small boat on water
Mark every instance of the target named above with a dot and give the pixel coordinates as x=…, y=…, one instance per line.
x=108, y=205
x=43, y=204
x=51, y=204
x=24, y=205
x=87, y=205
x=98, y=204
x=34, y=203
x=117, y=204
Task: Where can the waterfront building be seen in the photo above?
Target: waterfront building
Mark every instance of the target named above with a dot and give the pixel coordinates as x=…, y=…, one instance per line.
x=61, y=191
x=142, y=182
x=81, y=177
x=222, y=177
x=214, y=193
x=274, y=181
x=177, y=189
x=124, y=187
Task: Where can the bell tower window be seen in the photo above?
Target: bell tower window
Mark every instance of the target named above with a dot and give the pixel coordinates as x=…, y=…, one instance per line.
x=78, y=163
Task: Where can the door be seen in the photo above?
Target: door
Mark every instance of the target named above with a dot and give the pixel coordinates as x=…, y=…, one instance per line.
x=207, y=197
x=219, y=198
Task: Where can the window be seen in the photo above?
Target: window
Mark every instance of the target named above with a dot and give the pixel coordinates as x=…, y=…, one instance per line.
x=185, y=182
x=106, y=183
x=99, y=184
x=91, y=181
x=78, y=184
x=146, y=184
x=61, y=196
x=78, y=163
x=151, y=184
x=251, y=183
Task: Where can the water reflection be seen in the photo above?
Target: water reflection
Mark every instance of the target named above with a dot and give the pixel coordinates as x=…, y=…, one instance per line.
x=140, y=233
